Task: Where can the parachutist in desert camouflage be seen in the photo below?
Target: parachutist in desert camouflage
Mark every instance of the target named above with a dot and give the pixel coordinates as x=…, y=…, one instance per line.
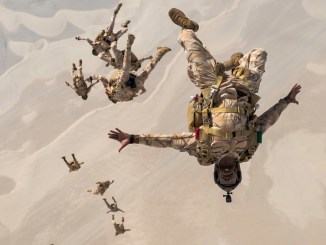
x=224, y=128
x=73, y=165
x=113, y=207
x=102, y=43
x=224, y=149
x=79, y=85
x=101, y=187
x=125, y=84
x=119, y=228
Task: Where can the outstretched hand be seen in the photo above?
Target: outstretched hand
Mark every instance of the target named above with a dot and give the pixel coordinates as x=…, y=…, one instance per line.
x=120, y=136
x=290, y=98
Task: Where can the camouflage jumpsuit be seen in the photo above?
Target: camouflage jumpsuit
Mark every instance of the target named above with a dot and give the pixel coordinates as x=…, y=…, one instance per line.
x=73, y=165
x=119, y=228
x=102, y=42
x=101, y=187
x=80, y=85
x=113, y=207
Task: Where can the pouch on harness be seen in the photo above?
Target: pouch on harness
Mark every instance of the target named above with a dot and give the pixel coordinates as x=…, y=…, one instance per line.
x=200, y=111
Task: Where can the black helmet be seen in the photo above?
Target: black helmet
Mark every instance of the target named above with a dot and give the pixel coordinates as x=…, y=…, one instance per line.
x=235, y=180
x=94, y=52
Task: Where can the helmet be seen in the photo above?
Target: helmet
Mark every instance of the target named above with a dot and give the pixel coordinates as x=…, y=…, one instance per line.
x=227, y=173
x=95, y=52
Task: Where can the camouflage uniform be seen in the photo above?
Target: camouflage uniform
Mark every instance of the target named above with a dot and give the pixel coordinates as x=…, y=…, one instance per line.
x=220, y=146
x=113, y=207
x=234, y=91
x=102, y=42
x=73, y=165
x=80, y=85
x=101, y=187
x=124, y=83
x=119, y=228
x=202, y=65
x=105, y=37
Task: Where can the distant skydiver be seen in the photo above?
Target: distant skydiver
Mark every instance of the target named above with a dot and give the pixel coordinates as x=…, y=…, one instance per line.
x=80, y=86
x=124, y=84
x=101, y=187
x=102, y=43
x=73, y=165
x=224, y=128
x=119, y=228
x=113, y=207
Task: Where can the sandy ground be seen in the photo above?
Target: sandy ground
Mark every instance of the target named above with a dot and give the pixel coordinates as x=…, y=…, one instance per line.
x=167, y=196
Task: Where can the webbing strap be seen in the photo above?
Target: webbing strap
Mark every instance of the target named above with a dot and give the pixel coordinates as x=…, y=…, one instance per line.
x=207, y=91
x=238, y=110
x=227, y=135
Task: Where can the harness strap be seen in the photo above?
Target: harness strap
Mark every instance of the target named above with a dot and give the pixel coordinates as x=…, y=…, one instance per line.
x=238, y=110
x=227, y=135
x=207, y=91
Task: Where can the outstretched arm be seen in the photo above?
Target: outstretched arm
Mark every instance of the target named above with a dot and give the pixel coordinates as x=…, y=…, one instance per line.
x=92, y=84
x=268, y=118
x=86, y=39
x=176, y=141
x=69, y=85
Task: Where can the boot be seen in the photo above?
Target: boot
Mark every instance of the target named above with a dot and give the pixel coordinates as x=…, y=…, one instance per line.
x=125, y=24
x=74, y=67
x=233, y=61
x=180, y=19
x=117, y=8
x=130, y=41
x=160, y=52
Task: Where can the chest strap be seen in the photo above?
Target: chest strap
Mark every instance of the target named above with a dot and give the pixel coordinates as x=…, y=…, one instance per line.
x=228, y=135
x=238, y=110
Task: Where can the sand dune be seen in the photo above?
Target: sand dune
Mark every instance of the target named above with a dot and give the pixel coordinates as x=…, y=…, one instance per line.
x=167, y=196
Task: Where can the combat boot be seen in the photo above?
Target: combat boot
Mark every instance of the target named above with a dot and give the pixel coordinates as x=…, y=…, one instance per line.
x=130, y=41
x=180, y=19
x=160, y=52
x=74, y=67
x=125, y=24
x=233, y=61
x=116, y=11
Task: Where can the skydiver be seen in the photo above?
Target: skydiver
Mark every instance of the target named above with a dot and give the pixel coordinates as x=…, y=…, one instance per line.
x=113, y=207
x=125, y=84
x=80, y=86
x=230, y=131
x=224, y=149
x=73, y=165
x=101, y=187
x=119, y=228
x=102, y=43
